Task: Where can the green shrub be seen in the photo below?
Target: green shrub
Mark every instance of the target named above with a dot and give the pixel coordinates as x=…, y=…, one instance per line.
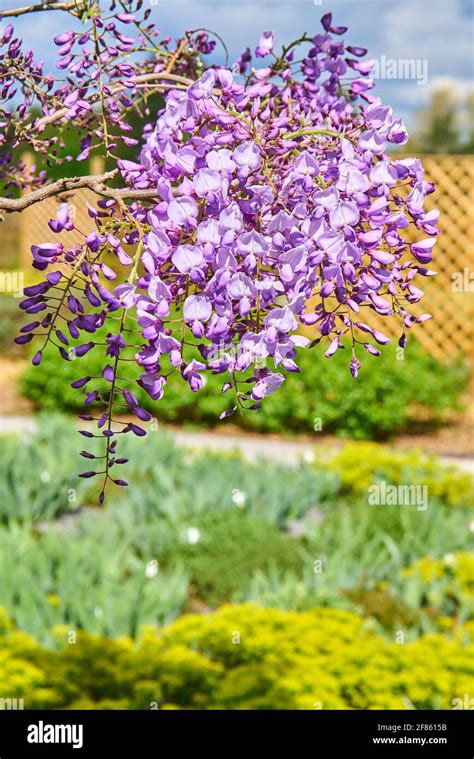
x=381, y=604
x=390, y=395
x=243, y=657
x=446, y=585
x=230, y=547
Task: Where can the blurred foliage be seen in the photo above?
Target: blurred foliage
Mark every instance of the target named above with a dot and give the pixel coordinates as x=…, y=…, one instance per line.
x=87, y=577
x=204, y=528
x=359, y=465
x=390, y=396
x=446, y=124
x=448, y=583
x=241, y=657
x=11, y=319
x=230, y=549
x=175, y=484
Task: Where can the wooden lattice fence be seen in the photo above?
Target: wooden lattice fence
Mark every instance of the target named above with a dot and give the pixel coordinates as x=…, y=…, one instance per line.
x=448, y=296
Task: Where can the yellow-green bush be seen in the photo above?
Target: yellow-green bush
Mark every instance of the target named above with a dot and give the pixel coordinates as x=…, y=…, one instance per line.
x=359, y=465
x=448, y=582
x=242, y=657
x=459, y=566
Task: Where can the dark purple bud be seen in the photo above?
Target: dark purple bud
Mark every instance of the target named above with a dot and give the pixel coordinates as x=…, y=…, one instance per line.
x=87, y=455
x=54, y=277
x=28, y=302
x=23, y=339
x=73, y=304
x=29, y=327
x=36, y=309
x=86, y=475
x=228, y=412
x=142, y=414
x=81, y=350
x=80, y=382
x=73, y=331
x=130, y=398
x=36, y=360
x=86, y=433
x=91, y=297
x=122, y=483
x=138, y=431
x=62, y=337
x=64, y=354
x=403, y=341
x=39, y=289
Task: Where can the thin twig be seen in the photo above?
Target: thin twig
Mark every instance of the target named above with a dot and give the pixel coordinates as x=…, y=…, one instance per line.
x=115, y=89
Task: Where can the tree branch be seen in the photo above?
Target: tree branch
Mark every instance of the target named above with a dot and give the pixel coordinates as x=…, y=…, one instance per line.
x=96, y=183
x=44, y=5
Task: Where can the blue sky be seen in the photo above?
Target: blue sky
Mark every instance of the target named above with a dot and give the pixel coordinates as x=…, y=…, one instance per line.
x=436, y=34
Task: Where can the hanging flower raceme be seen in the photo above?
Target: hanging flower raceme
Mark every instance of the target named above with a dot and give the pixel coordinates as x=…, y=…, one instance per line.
x=277, y=205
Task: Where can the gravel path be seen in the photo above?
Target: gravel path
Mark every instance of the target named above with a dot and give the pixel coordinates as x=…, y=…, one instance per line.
x=251, y=446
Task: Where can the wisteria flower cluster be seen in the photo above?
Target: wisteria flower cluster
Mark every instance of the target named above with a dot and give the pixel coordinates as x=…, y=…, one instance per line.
x=264, y=198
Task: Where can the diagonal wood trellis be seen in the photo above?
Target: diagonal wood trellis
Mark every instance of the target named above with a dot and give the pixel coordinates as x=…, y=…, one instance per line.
x=448, y=296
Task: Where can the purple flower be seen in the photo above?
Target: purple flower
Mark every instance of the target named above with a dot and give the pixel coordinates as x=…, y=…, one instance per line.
x=182, y=210
x=267, y=386
x=45, y=254
x=62, y=221
x=197, y=308
x=191, y=374
x=270, y=200
x=422, y=250
x=126, y=294
x=265, y=44
x=247, y=158
x=345, y=214
x=187, y=257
